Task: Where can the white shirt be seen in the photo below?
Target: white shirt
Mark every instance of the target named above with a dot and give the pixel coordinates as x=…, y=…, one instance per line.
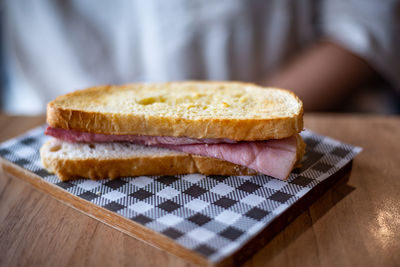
x=52, y=47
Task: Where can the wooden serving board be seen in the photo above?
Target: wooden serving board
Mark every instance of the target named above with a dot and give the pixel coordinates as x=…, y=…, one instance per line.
x=191, y=216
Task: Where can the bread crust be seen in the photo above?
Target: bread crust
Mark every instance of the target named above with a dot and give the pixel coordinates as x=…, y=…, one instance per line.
x=231, y=128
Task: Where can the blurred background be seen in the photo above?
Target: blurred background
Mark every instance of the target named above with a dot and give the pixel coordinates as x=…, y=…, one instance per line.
x=337, y=55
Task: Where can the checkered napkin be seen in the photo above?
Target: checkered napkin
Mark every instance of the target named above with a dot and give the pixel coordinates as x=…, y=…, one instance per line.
x=212, y=215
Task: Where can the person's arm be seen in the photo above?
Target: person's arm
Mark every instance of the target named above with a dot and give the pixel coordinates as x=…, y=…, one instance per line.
x=323, y=75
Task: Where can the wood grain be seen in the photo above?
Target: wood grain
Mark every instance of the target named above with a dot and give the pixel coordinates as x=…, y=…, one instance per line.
x=106, y=216
x=354, y=223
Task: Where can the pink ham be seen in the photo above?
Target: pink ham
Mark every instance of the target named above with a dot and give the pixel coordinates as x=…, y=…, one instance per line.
x=76, y=136
x=272, y=157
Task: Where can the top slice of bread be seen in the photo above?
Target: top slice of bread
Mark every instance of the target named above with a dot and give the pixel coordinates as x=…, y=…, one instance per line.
x=233, y=110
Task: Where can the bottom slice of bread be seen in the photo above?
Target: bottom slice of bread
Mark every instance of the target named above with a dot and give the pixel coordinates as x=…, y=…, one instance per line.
x=71, y=161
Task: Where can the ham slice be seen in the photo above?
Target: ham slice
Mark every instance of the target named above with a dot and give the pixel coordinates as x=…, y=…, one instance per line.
x=76, y=136
x=272, y=157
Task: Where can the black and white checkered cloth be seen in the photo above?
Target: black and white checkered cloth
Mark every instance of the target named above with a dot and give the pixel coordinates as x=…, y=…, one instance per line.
x=212, y=215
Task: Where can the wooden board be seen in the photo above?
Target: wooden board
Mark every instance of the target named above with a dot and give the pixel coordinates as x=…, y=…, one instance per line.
x=140, y=232
x=352, y=224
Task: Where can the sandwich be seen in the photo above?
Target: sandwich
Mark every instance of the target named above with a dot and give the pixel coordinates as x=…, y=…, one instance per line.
x=213, y=128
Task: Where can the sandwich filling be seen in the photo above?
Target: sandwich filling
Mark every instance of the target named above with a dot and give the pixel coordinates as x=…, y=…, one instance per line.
x=275, y=157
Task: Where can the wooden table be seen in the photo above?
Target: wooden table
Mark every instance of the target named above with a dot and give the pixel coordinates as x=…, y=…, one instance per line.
x=353, y=224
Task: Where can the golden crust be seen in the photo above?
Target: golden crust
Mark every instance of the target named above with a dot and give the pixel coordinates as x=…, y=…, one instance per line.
x=248, y=129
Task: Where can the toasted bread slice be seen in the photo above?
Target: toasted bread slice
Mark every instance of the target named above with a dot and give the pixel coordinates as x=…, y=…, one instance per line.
x=238, y=111
x=71, y=161
x=112, y=160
